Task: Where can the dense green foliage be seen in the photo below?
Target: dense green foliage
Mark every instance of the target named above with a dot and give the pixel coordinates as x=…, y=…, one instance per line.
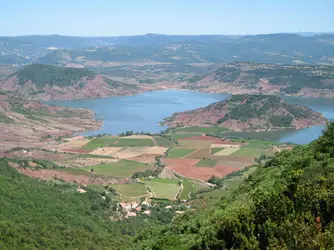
x=286, y=204
x=36, y=214
x=245, y=107
x=42, y=75
x=53, y=215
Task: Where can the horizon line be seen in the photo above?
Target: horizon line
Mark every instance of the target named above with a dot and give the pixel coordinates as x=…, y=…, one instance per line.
x=161, y=34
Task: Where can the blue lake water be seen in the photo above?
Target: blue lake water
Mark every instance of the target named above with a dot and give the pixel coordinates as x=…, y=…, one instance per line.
x=302, y=136
x=142, y=112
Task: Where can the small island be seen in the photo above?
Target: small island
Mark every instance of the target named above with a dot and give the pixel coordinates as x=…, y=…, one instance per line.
x=249, y=113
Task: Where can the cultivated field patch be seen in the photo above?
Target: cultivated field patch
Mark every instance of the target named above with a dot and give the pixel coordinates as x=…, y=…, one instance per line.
x=100, y=142
x=177, y=136
x=106, y=151
x=249, y=152
x=163, y=189
x=206, y=163
x=131, y=190
x=127, y=153
x=186, y=168
x=138, y=137
x=225, y=145
x=163, y=142
x=213, y=129
x=134, y=143
x=122, y=168
x=199, y=154
x=179, y=152
x=84, y=162
x=215, y=150
x=234, y=164
x=187, y=189
x=144, y=158
x=226, y=151
x=257, y=145
x=194, y=144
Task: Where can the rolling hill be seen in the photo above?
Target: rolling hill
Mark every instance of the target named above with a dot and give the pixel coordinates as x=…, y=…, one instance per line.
x=246, y=77
x=46, y=82
x=249, y=113
x=29, y=123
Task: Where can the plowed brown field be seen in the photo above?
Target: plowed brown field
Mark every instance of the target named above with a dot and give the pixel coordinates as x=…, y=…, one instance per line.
x=185, y=168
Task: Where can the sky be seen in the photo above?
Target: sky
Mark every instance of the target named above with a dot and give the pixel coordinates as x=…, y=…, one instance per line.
x=188, y=17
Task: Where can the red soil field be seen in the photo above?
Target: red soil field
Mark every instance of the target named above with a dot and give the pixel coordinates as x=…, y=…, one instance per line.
x=185, y=168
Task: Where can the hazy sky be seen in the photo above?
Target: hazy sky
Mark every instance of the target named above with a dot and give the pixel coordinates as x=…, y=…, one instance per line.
x=129, y=17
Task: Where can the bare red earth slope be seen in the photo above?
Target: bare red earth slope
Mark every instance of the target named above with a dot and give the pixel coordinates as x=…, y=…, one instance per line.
x=46, y=82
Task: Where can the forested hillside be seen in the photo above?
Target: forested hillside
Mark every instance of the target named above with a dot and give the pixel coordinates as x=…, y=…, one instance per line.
x=51, y=215
x=249, y=113
x=42, y=75
x=286, y=204
x=309, y=80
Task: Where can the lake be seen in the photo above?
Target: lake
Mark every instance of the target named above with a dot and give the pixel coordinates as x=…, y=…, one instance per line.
x=142, y=112
x=302, y=136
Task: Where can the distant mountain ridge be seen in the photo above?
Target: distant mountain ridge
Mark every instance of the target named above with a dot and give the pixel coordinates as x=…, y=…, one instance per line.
x=268, y=48
x=46, y=82
x=249, y=113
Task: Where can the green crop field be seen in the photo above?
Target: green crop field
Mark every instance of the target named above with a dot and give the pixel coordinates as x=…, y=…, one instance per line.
x=249, y=152
x=206, y=163
x=163, y=142
x=163, y=180
x=213, y=129
x=187, y=189
x=163, y=190
x=130, y=190
x=179, y=152
x=134, y=143
x=122, y=168
x=100, y=142
x=215, y=150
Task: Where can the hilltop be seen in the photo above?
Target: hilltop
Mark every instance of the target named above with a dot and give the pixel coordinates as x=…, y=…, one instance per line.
x=249, y=113
x=47, y=82
x=246, y=77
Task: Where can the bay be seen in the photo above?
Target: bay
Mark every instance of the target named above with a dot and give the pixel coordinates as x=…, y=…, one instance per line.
x=142, y=112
